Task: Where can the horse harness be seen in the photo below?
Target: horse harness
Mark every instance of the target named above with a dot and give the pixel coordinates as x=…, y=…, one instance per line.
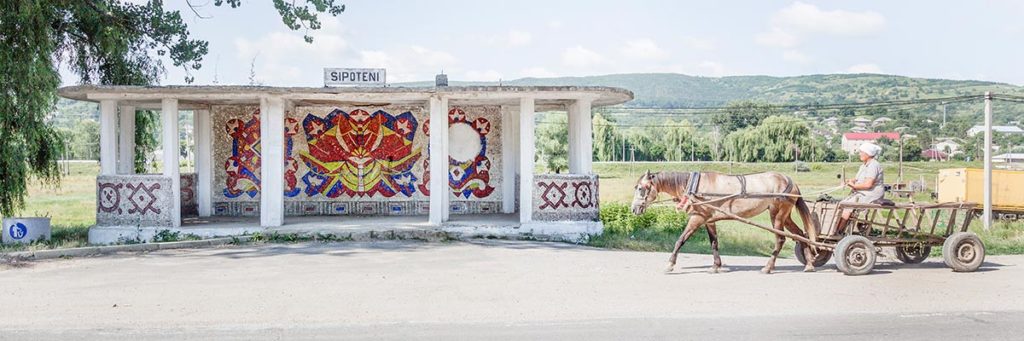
x=694, y=182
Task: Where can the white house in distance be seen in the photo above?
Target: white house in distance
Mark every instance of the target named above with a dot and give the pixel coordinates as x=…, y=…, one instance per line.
x=1009, y=158
x=347, y=156
x=947, y=145
x=975, y=130
x=861, y=122
x=880, y=121
x=853, y=141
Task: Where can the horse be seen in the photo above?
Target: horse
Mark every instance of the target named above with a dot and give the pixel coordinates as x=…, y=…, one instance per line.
x=754, y=194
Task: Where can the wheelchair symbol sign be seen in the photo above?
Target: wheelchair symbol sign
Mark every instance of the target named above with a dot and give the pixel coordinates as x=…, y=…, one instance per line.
x=17, y=230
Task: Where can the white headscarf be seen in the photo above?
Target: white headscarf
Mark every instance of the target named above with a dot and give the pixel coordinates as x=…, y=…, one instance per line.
x=871, y=149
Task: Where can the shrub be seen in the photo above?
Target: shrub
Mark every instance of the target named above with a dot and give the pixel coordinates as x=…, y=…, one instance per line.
x=618, y=218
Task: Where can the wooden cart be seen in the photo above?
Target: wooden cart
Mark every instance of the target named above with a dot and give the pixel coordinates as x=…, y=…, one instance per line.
x=911, y=229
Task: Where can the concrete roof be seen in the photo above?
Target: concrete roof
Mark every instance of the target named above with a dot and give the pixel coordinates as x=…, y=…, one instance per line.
x=204, y=95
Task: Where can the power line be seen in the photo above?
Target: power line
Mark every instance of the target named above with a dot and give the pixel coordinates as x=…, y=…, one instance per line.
x=836, y=106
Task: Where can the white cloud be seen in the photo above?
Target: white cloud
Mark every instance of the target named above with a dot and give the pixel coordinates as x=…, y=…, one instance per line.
x=699, y=44
x=777, y=37
x=519, y=38
x=645, y=49
x=409, y=64
x=795, y=56
x=809, y=18
x=791, y=24
x=538, y=72
x=579, y=56
x=864, y=68
x=283, y=57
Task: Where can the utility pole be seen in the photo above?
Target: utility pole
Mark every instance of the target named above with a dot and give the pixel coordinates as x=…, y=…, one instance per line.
x=943, y=115
x=691, y=149
x=987, y=217
x=901, y=159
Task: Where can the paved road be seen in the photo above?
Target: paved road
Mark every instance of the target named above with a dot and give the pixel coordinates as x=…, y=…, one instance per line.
x=494, y=290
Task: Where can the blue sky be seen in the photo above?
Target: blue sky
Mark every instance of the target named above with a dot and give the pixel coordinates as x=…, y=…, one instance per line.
x=491, y=40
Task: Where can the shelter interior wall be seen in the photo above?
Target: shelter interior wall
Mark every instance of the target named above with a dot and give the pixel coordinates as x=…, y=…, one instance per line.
x=371, y=160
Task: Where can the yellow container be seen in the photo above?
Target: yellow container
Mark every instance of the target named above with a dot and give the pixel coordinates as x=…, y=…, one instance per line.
x=967, y=184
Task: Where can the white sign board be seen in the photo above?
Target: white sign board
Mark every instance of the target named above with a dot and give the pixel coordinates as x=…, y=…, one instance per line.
x=344, y=76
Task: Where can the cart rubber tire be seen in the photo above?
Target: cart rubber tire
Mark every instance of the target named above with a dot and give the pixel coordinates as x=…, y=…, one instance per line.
x=913, y=254
x=821, y=260
x=963, y=252
x=855, y=255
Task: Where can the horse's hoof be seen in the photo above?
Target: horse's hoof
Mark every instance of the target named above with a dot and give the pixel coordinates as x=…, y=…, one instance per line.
x=809, y=269
x=714, y=270
x=766, y=270
x=669, y=268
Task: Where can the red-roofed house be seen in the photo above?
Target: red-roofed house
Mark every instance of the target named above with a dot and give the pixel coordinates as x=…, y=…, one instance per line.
x=852, y=141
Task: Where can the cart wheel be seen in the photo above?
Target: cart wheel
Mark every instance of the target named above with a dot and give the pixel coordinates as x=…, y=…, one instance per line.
x=855, y=255
x=913, y=254
x=819, y=261
x=963, y=252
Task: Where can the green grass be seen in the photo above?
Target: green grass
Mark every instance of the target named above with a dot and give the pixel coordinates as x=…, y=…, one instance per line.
x=736, y=238
x=72, y=207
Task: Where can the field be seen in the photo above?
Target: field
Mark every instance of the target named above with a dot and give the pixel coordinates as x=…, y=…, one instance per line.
x=618, y=179
x=72, y=206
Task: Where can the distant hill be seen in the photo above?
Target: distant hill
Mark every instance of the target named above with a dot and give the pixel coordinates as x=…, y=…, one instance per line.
x=669, y=90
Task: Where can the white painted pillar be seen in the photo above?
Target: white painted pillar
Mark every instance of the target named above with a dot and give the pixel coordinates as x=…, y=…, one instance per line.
x=581, y=140
x=986, y=216
x=169, y=120
x=439, y=191
x=271, y=161
x=509, y=157
x=526, y=151
x=204, y=160
x=126, y=142
x=108, y=137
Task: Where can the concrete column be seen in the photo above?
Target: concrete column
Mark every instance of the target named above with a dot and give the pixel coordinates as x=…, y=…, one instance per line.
x=439, y=191
x=509, y=157
x=581, y=139
x=204, y=160
x=271, y=161
x=169, y=120
x=526, y=151
x=108, y=137
x=126, y=142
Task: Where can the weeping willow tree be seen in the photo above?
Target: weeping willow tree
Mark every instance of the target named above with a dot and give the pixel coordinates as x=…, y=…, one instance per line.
x=107, y=42
x=606, y=137
x=553, y=141
x=680, y=142
x=776, y=139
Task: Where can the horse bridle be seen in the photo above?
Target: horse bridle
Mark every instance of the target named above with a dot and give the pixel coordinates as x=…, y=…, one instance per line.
x=650, y=188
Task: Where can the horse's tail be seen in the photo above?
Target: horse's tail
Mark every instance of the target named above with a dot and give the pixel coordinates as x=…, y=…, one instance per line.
x=810, y=224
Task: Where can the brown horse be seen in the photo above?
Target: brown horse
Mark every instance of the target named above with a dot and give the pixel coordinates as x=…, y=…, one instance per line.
x=760, y=192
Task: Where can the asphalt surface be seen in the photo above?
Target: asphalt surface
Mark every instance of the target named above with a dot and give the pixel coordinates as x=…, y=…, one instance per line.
x=494, y=290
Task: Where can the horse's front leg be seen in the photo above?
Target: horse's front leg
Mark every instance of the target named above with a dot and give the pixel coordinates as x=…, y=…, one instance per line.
x=713, y=238
x=691, y=226
x=778, y=223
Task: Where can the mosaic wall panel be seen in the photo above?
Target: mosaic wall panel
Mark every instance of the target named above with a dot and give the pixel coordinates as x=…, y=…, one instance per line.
x=189, y=205
x=133, y=200
x=359, y=155
x=565, y=197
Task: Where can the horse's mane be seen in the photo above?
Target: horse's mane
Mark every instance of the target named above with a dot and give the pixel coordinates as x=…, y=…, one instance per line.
x=673, y=180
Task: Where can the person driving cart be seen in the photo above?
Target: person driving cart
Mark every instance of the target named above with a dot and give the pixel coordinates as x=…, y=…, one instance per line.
x=868, y=186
